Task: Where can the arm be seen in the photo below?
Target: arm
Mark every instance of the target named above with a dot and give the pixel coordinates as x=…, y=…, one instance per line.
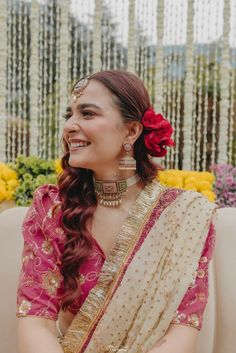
x=178, y=339
x=40, y=284
x=182, y=334
x=37, y=335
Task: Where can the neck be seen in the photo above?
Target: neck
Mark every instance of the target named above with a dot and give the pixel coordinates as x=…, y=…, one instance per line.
x=111, y=191
x=114, y=176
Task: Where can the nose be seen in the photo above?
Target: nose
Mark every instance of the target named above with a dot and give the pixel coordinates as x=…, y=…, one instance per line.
x=71, y=126
x=75, y=126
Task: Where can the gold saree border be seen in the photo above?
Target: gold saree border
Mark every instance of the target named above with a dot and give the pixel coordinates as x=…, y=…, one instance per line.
x=98, y=298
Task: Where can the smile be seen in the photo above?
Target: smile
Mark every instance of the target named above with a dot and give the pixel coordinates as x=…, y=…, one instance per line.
x=76, y=145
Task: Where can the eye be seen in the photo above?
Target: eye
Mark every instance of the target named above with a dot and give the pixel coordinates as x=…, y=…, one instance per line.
x=67, y=114
x=87, y=113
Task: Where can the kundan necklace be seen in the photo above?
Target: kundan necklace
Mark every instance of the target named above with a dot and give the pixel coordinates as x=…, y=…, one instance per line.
x=110, y=192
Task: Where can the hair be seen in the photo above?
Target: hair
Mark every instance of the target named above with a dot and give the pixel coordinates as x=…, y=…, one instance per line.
x=76, y=188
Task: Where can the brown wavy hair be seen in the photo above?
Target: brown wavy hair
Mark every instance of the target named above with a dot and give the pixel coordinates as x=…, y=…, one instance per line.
x=76, y=188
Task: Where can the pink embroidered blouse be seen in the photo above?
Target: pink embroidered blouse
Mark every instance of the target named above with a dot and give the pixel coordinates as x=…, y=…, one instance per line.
x=41, y=283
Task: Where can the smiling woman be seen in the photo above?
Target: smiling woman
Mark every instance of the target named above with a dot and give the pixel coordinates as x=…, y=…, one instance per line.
x=114, y=261
x=93, y=117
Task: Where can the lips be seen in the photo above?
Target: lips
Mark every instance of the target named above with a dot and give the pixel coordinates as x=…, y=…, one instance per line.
x=75, y=144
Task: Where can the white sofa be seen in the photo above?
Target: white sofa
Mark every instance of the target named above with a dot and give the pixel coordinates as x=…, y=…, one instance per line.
x=219, y=329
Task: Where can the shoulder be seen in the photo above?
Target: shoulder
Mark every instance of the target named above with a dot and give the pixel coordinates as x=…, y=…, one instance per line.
x=192, y=197
x=200, y=201
x=48, y=190
x=187, y=203
x=40, y=221
x=44, y=198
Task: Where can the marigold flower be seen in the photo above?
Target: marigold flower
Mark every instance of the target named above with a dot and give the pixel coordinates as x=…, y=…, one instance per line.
x=190, y=187
x=8, y=182
x=7, y=173
x=58, y=166
x=12, y=184
x=189, y=180
x=209, y=194
x=203, y=185
x=3, y=193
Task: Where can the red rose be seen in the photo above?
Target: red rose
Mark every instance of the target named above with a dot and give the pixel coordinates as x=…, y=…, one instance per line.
x=151, y=120
x=157, y=133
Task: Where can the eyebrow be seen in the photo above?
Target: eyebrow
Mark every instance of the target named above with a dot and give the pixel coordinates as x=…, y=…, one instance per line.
x=85, y=105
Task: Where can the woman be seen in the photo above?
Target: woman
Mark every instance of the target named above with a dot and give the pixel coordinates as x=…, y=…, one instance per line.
x=119, y=258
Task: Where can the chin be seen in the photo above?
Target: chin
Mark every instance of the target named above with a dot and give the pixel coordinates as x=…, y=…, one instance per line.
x=75, y=163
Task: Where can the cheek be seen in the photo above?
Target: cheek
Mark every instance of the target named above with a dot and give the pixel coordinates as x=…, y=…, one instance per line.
x=66, y=130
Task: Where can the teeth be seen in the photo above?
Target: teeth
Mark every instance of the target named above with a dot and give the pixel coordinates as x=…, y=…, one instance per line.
x=78, y=144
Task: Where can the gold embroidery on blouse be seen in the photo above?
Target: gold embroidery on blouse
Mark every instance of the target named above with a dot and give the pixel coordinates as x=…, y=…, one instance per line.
x=59, y=231
x=201, y=297
x=29, y=281
x=49, y=213
x=179, y=317
x=51, y=281
x=203, y=259
x=82, y=279
x=47, y=247
x=194, y=320
x=24, y=307
x=201, y=273
x=29, y=256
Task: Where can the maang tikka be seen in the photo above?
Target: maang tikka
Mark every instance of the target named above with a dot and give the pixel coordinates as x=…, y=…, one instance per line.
x=79, y=88
x=127, y=162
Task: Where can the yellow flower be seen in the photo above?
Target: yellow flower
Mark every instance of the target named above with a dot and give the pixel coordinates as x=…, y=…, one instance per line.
x=170, y=180
x=190, y=187
x=3, y=193
x=2, y=183
x=58, y=166
x=190, y=180
x=209, y=194
x=12, y=184
x=177, y=182
x=203, y=185
x=9, y=194
x=207, y=176
x=161, y=176
x=7, y=173
x=8, y=182
x=186, y=173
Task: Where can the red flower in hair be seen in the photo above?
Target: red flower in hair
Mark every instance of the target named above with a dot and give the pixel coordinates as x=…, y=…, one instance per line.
x=157, y=133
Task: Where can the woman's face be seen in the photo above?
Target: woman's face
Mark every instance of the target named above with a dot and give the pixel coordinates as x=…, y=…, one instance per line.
x=95, y=130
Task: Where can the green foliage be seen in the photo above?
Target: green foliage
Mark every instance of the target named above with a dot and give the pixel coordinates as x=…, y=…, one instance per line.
x=32, y=173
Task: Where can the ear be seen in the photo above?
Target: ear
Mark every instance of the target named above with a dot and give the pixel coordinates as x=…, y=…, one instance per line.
x=134, y=130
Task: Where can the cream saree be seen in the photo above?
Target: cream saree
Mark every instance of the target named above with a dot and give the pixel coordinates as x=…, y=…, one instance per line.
x=145, y=277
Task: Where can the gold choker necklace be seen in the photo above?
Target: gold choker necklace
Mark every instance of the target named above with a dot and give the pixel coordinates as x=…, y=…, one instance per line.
x=110, y=192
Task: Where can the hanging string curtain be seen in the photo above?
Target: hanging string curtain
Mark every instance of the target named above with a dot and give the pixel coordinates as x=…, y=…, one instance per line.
x=14, y=65
x=184, y=53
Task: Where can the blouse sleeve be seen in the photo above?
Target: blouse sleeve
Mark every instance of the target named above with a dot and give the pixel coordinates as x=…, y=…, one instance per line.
x=40, y=284
x=191, y=309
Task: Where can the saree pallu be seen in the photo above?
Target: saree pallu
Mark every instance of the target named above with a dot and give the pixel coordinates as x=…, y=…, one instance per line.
x=146, y=275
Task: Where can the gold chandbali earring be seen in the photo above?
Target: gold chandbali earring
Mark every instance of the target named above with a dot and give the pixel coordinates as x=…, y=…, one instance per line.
x=111, y=192
x=127, y=162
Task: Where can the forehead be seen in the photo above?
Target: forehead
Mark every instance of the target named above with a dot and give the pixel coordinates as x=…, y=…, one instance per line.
x=96, y=93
